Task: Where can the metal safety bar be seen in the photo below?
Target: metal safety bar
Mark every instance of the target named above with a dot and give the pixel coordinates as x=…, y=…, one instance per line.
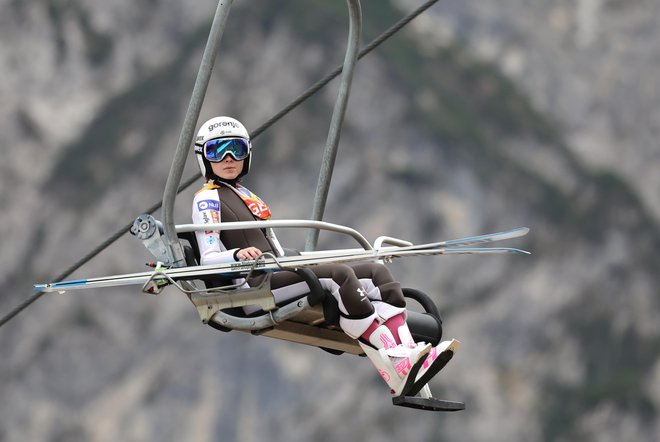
x=243, y=225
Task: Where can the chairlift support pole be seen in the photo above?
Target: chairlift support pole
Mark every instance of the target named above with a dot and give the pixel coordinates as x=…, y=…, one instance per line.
x=330, y=153
x=175, y=251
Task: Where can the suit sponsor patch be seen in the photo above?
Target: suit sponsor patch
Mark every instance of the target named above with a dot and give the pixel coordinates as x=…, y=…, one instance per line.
x=208, y=205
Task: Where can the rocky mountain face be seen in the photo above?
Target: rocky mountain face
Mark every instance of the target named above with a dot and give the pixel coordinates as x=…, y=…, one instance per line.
x=479, y=117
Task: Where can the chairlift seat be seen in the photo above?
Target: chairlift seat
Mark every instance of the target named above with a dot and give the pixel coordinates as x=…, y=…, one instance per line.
x=317, y=325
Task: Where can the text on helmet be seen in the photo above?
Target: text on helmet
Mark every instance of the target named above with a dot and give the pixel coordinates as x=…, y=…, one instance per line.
x=223, y=123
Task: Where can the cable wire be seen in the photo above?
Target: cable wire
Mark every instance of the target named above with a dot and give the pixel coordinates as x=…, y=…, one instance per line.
x=258, y=131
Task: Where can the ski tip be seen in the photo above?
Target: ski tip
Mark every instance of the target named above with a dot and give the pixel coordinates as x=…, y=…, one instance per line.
x=516, y=233
x=484, y=250
x=514, y=250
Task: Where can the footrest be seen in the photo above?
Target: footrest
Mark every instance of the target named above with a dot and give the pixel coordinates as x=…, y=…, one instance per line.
x=430, y=404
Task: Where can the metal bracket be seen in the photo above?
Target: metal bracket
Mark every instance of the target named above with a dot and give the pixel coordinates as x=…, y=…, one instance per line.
x=209, y=302
x=148, y=229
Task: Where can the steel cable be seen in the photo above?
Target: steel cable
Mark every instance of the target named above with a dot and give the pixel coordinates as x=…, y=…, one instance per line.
x=258, y=131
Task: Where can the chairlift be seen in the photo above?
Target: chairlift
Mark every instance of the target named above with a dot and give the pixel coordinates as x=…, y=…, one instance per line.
x=312, y=319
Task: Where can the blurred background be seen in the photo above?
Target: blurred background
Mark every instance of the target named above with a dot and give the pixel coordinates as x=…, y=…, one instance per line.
x=477, y=117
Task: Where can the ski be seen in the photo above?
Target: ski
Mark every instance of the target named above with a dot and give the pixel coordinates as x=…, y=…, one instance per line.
x=239, y=269
x=473, y=240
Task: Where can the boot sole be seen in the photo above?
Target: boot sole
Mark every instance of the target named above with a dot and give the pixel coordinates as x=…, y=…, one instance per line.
x=410, y=381
x=438, y=364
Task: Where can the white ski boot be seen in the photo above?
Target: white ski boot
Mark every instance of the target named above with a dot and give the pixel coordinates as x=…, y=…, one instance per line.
x=436, y=360
x=397, y=364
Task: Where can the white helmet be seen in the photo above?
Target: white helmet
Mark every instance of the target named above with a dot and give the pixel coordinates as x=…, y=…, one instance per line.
x=220, y=127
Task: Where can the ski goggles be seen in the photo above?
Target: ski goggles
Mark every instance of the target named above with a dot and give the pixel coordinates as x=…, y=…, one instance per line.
x=216, y=150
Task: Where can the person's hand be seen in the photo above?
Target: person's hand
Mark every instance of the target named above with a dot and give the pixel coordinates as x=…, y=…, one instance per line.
x=248, y=253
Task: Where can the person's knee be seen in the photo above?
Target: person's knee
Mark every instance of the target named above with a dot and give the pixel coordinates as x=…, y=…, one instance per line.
x=378, y=273
x=342, y=274
x=392, y=294
x=382, y=274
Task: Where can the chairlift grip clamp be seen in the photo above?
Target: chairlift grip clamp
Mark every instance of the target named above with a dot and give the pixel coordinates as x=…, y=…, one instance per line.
x=149, y=230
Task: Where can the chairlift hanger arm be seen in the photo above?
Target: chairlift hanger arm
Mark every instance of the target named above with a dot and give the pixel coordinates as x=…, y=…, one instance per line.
x=341, y=103
x=185, y=138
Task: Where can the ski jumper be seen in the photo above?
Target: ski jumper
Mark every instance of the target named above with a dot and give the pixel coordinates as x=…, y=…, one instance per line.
x=365, y=291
